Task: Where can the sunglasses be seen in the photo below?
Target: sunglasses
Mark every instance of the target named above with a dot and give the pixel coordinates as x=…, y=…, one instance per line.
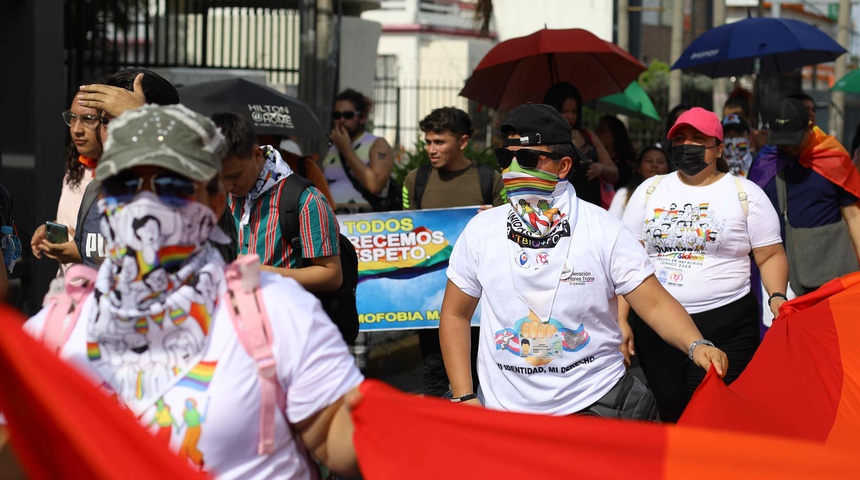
x=346, y=115
x=166, y=185
x=89, y=121
x=526, y=158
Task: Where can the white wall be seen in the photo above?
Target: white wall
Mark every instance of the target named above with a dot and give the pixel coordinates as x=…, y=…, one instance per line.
x=517, y=18
x=359, y=43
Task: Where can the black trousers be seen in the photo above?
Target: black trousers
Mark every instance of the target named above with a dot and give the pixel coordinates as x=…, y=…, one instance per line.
x=435, y=376
x=672, y=376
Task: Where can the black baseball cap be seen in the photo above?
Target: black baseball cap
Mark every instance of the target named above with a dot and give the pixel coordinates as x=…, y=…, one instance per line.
x=788, y=123
x=537, y=124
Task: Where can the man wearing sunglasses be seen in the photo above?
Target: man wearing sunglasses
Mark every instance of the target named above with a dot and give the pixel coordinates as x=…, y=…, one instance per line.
x=163, y=280
x=358, y=165
x=547, y=270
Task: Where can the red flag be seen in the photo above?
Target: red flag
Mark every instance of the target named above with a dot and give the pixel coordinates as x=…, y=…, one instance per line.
x=61, y=426
x=804, y=381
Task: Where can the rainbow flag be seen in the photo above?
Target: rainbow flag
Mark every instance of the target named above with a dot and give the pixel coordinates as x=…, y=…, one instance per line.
x=200, y=376
x=793, y=414
x=804, y=381
x=200, y=314
x=172, y=257
x=93, y=352
x=435, y=257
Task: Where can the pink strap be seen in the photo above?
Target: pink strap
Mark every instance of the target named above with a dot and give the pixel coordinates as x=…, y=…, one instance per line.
x=252, y=325
x=79, y=282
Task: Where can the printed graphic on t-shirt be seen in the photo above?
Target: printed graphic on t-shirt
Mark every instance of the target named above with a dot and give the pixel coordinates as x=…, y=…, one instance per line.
x=540, y=343
x=680, y=237
x=185, y=418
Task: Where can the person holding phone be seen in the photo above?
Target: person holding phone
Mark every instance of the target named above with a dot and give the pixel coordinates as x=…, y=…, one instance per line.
x=84, y=150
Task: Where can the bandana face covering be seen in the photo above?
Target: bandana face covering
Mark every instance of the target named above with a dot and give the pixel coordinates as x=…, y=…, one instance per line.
x=156, y=293
x=738, y=156
x=542, y=216
x=533, y=194
x=274, y=170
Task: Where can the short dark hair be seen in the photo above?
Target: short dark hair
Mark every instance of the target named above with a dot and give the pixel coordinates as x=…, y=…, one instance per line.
x=156, y=88
x=566, y=150
x=240, y=140
x=362, y=103
x=447, y=118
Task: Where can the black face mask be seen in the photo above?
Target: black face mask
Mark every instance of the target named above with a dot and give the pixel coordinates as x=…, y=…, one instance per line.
x=689, y=158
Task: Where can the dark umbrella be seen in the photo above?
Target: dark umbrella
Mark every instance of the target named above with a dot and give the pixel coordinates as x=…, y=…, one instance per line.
x=758, y=45
x=522, y=69
x=271, y=112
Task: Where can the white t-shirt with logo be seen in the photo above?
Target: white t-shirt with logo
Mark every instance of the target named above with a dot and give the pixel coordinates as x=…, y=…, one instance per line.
x=699, y=239
x=581, y=362
x=215, y=410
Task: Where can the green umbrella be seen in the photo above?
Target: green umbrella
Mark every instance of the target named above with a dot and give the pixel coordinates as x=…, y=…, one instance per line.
x=634, y=101
x=849, y=83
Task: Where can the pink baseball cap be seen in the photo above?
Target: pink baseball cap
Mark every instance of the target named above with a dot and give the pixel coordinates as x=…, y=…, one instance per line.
x=702, y=120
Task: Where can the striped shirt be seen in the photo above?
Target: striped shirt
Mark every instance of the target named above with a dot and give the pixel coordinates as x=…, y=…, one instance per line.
x=318, y=229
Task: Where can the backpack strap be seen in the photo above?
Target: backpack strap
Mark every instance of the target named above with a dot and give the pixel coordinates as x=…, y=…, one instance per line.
x=652, y=187
x=742, y=196
x=65, y=308
x=91, y=194
x=486, y=175
x=244, y=302
x=421, y=179
x=289, y=210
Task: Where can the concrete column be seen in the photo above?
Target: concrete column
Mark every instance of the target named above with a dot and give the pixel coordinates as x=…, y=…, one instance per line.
x=720, y=84
x=837, y=113
x=33, y=93
x=675, y=52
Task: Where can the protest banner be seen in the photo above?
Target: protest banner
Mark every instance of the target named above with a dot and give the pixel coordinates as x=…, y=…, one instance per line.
x=402, y=257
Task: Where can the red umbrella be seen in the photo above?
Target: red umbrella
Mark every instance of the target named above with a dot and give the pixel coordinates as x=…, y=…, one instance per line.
x=522, y=69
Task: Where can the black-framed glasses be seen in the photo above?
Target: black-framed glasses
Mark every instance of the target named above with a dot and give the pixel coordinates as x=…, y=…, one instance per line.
x=348, y=115
x=89, y=121
x=526, y=158
x=166, y=185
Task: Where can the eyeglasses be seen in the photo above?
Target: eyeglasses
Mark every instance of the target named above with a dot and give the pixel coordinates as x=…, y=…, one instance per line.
x=169, y=186
x=89, y=121
x=346, y=115
x=526, y=158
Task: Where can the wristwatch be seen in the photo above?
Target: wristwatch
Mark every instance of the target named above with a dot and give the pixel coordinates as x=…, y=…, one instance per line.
x=696, y=344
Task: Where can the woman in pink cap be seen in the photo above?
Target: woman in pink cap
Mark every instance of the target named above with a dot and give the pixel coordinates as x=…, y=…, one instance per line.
x=699, y=226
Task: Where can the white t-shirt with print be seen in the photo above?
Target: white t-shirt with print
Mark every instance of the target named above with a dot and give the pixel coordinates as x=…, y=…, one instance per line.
x=314, y=368
x=584, y=363
x=699, y=239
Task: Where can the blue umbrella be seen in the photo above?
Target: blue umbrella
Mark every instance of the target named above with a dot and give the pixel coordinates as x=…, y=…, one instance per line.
x=758, y=45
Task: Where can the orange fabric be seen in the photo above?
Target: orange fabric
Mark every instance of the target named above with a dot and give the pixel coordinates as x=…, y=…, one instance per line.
x=61, y=426
x=402, y=436
x=88, y=162
x=829, y=158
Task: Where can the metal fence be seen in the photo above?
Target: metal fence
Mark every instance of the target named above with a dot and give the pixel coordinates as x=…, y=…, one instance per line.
x=103, y=36
x=400, y=105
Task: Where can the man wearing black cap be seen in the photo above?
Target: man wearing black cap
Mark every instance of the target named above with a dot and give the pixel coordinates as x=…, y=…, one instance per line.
x=548, y=268
x=810, y=179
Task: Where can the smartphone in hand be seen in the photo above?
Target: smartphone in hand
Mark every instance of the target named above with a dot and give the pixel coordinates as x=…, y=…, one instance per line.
x=56, y=233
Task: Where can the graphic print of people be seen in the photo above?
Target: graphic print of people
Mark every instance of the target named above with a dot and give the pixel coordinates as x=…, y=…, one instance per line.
x=165, y=422
x=193, y=420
